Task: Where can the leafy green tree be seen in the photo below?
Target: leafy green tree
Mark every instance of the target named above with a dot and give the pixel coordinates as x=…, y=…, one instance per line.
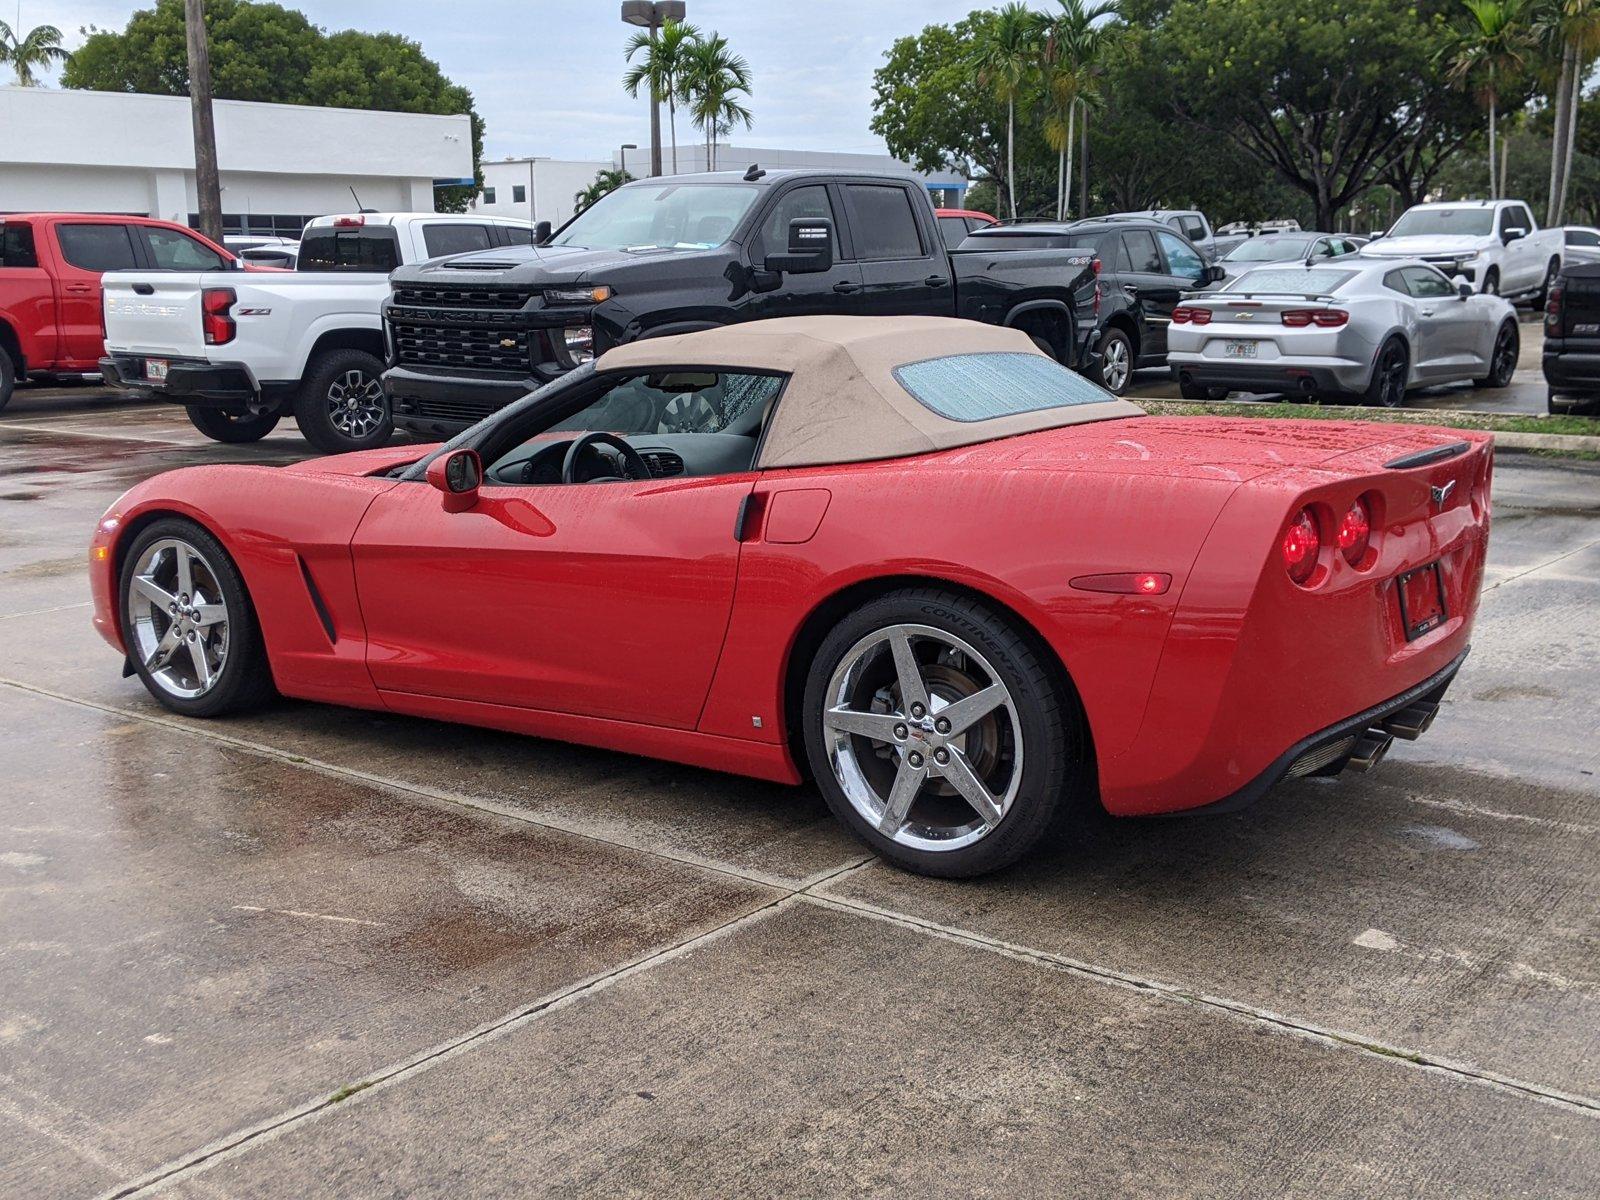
x=1570, y=30
x=1490, y=48
x=1327, y=96
x=712, y=80
x=1004, y=59
x=661, y=67
x=40, y=47
x=269, y=53
x=606, y=181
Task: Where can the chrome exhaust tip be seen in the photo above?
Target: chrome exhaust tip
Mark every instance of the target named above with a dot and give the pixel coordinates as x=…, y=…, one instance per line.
x=1412, y=721
x=1369, y=751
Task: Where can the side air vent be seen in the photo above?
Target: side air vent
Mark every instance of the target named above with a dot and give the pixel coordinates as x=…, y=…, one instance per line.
x=662, y=463
x=317, y=602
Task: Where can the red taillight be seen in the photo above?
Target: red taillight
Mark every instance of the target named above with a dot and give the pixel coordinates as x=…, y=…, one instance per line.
x=1355, y=531
x=1301, y=545
x=215, y=320
x=1186, y=316
x=1128, y=583
x=1327, y=318
x=349, y=222
x=1552, y=306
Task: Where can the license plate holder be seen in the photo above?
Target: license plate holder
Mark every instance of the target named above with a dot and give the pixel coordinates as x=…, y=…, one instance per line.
x=1239, y=349
x=155, y=370
x=1421, y=596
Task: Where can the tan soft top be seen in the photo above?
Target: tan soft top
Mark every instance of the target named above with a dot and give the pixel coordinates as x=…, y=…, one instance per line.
x=842, y=402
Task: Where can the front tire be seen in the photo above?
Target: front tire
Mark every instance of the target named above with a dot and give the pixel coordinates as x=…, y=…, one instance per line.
x=8, y=378
x=226, y=427
x=188, y=624
x=936, y=733
x=1116, y=361
x=342, y=406
x=1491, y=282
x=1389, y=371
x=1503, y=358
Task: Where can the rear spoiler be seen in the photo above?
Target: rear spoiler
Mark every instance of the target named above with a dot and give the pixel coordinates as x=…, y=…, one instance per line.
x=1423, y=458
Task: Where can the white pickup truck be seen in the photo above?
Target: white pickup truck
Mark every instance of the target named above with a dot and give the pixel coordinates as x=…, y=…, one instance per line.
x=240, y=350
x=1495, y=245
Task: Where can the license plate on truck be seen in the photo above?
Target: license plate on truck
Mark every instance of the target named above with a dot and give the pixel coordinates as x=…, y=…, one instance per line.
x=155, y=370
x=1239, y=349
x=1421, y=594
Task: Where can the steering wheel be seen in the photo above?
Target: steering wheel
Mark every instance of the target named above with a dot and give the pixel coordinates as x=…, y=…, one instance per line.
x=635, y=465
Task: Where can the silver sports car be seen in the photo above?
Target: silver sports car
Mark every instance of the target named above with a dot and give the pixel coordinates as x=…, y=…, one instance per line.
x=1355, y=327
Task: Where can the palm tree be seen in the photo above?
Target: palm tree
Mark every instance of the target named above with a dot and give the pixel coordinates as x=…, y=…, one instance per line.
x=1004, y=59
x=1491, y=46
x=1071, y=66
x=40, y=48
x=1571, y=32
x=710, y=81
x=606, y=181
x=661, y=67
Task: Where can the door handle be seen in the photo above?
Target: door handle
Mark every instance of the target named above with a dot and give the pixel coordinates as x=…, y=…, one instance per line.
x=1427, y=312
x=844, y=287
x=80, y=289
x=934, y=281
x=144, y=289
x=1130, y=289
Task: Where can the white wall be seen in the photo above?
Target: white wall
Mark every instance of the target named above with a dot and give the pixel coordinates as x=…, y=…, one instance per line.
x=111, y=152
x=548, y=184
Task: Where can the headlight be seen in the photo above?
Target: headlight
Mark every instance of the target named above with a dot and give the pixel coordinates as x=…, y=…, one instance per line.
x=578, y=341
x=577, y=295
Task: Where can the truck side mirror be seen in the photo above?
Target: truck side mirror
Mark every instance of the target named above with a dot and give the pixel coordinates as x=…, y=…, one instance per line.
x=810, y=247
x=541, y=233
x=1512, y=234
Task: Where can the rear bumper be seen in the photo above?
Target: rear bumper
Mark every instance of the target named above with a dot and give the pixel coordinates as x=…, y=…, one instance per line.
x=1571, y=371
x=441, y=405
x=1327, y=751
x=1271, y=377
x=194, y=383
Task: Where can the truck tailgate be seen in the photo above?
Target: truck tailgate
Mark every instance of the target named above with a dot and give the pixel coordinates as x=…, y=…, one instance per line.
x=156, y=312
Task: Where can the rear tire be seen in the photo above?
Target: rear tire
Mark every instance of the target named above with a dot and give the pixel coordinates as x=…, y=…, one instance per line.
x=226, y=628
x=1116, y=361
x=1502, y=358
x=225, y=427
x=8, y=378
x=342, y=406
x=1542, y=298
x=1197, y=391
x=1020, y=751
x=1389, y=370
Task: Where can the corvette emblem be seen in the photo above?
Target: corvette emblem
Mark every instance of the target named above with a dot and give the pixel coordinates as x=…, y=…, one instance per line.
x=1441, y=494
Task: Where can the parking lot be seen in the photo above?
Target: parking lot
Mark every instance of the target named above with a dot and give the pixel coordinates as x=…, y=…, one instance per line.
x=327, y=952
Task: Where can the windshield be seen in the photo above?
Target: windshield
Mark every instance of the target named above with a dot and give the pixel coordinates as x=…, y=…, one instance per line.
x=1293, y=282
x=666, y=216
x=1268, y=249
x=1430, y=222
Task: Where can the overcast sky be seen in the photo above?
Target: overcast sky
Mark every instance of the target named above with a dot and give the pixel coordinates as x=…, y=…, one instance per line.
x=546, y=73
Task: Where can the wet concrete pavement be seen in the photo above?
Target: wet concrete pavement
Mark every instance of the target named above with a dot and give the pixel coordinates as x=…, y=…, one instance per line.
x=320, y=952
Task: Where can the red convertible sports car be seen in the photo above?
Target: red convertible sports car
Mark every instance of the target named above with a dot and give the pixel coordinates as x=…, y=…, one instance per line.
x=914, y=559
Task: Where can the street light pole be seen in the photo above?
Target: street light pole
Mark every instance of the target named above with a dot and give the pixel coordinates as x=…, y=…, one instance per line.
x=623, y=149
x=651, y=15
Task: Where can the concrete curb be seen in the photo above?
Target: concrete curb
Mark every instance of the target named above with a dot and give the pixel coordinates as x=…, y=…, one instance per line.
x=1571, y=443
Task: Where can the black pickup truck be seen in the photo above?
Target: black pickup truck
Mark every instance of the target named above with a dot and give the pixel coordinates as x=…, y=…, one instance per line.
x=471, y=333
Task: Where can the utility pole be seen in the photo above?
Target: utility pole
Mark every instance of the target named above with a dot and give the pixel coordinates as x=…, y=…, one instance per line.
x=651, y=15
x=206, y=186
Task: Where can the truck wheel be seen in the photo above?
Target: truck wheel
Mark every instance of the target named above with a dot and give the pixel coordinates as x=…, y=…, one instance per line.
x=342, y=406
x=1543, y=296
x=8, y=378
x=1116, y=361
x=226, y=427
x=1199, y=391
x=1491, y=282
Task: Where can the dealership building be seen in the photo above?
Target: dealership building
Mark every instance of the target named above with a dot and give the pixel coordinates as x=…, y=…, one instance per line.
x=542, y=189
x=279, y=164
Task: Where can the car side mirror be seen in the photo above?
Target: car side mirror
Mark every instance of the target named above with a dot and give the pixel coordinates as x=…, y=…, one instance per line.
x=1513, y=234
x=457, y=475
x=810, y=247
x=1212, y=274
x=1463, y=288
x=541, y=233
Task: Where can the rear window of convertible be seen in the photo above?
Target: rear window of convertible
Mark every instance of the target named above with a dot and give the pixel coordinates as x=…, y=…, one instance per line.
x=980, y=387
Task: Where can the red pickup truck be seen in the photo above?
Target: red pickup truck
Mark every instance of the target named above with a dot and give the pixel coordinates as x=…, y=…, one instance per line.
x=50, y=267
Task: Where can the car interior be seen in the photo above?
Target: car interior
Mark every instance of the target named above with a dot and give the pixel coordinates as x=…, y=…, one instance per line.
x=650, y=426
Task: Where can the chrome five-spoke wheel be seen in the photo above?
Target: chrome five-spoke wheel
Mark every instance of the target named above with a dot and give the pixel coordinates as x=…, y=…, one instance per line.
x=177, y=618
x=356, y=405
x=923, y=737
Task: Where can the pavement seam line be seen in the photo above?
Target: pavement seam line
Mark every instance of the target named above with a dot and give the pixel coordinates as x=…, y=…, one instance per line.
x=409, y=790
x=229, y=1145
x=39, y=612
x=1339, y=1038
x=61, y=431
x=1539, y=567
